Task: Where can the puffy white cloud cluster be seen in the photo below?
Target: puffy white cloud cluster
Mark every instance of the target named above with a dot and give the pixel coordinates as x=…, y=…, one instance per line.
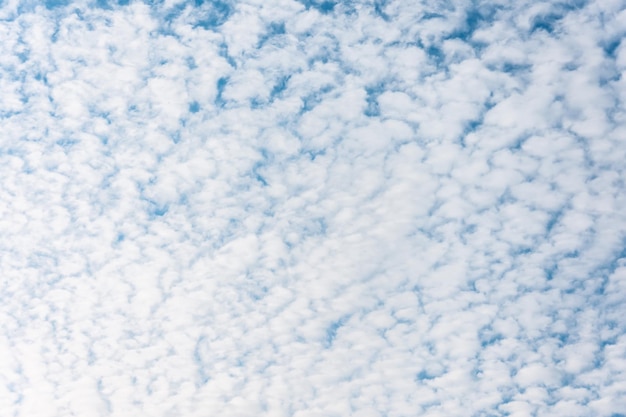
x=312, y=208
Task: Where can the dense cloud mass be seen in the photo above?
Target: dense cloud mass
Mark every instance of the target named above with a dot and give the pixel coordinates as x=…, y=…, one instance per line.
x=376, y=208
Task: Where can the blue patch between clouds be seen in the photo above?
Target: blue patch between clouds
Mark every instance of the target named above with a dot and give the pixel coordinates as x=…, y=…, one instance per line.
x=108, y=4
x=191, y=63
x=260, y=178
x=331, y=331
x=160, y=211
x=512, y=68
x=323, y=7
x=423, y=376
x=317, y=226
x=221, y=85
x=548, y=21
x=224, y=54
x=310, y=101
x=194, y=107
x=379, y=9
x=217, y=14
x=276, y=28
x=280, y=86
x=435, y=54
x=430, y=16
x=23, y=56
x=609, y=267
x=470, y=127
x=198, y=356
x=157, y=210
x=550, y=272
x=488, y=337
x=473, y=19
x=545, y=22
x=563, y=338
x=53, y=4
x=611, y=48
x=373, y=109
x=553, y=220
x=313, y=154
x=66, y=143
x=173, y=13
x=273, y=29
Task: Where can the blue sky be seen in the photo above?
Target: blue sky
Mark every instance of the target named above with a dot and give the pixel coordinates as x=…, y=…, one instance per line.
x=314, y=208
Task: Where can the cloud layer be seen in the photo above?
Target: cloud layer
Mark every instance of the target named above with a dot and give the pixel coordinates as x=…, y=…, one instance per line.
x=312, y=208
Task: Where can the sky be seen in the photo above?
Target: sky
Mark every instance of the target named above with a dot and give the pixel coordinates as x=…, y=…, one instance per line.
x=312, y=208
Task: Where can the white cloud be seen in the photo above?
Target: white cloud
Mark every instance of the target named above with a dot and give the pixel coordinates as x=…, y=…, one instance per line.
x=299, y=209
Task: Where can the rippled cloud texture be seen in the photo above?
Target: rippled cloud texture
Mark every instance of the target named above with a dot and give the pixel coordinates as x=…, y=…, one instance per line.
x=283, y=208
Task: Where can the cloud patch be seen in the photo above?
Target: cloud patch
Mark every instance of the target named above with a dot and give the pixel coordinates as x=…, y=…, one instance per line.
x=302, y=208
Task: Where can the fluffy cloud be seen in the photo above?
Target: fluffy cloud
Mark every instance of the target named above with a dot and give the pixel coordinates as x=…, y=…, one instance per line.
x=312, y=208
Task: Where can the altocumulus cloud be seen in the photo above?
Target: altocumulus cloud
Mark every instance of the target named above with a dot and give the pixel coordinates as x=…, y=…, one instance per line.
x=375, y=208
